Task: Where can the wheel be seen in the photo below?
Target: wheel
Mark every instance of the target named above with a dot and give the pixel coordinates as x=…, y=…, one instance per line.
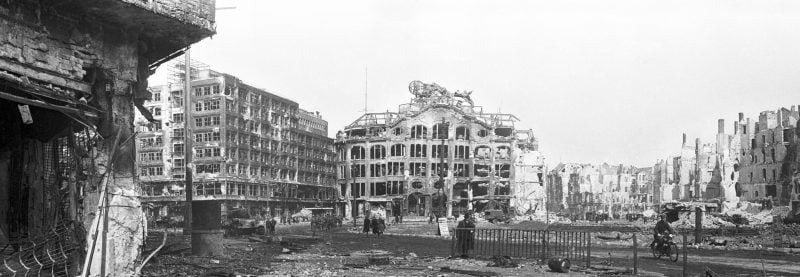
x=673, y=252
x=656, y=253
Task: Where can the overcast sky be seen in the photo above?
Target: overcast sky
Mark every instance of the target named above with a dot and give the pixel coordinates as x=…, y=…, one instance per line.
x=597, y=81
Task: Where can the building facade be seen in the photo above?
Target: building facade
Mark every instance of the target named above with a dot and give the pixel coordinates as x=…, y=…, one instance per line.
x=71, y=75
x=252, y=149
x=438, y=154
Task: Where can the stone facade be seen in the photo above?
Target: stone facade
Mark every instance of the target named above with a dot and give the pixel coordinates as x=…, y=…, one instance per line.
x=81, y=66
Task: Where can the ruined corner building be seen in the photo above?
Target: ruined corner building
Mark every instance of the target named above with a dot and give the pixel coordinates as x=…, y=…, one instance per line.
x=71, y=73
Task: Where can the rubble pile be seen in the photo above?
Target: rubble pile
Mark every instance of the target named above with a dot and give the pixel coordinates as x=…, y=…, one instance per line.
x=687, y=221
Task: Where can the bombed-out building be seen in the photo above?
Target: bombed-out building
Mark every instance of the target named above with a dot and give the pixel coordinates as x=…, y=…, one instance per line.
x=71, y=73
x=765, y=162
x=438, y=154
x=252, y=149
x=577, y=189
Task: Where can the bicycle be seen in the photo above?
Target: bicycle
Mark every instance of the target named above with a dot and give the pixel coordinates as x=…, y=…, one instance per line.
x=667, y=248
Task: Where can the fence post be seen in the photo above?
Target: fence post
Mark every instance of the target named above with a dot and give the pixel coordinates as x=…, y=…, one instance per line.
x=453, y=243
x=636, y=255
x=684, y=255
x=588, y=249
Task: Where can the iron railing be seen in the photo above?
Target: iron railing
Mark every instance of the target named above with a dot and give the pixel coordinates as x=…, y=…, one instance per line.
x=537, y=244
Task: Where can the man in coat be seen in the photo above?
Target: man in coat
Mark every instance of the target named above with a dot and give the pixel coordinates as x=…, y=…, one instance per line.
x=465, y=233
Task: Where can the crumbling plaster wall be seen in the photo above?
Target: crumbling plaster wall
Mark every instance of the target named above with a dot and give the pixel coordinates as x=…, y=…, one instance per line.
x=72, y=47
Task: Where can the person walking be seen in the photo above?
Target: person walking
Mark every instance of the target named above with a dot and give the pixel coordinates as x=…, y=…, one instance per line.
x=465, y=234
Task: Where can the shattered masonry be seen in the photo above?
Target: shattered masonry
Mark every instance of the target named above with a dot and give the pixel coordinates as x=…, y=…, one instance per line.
x=80, y=66
x=252, y=149
x=392, y=159
x=584, y=188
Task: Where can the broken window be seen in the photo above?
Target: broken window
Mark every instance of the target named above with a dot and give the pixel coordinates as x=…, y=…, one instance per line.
x=774, y=175
x=207, y=168
x=354, y=132
x=482, y=170
x=378, y=189
x=787, y=135
x=357, y=153
x=398, y=150
x=177, y=148
x=395, y=187
x=419, y=132
x=462, y=133
x=177, y=118
x=441, y=130
x=483, y=152
x=377, y=152
x=502, y=131
x=502, y=170
x=358, y=190
x=419, y=151
x=461, y=170
x=152, y=171
x=397, y=131
x=764, y=174
x=483, y=133
x=502, y=188
x=502, y=152
x=753, y=143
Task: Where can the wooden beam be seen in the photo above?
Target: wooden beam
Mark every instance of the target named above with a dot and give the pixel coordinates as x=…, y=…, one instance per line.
x=42, y=104
x=45, y=75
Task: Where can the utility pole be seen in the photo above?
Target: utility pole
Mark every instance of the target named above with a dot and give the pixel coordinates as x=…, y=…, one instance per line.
x=187, y=143
x=441, y=151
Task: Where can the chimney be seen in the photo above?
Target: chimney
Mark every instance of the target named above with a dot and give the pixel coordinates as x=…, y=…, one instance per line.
x=780, y=118
x=721, y=126
x=684, y=140
x=741, y=117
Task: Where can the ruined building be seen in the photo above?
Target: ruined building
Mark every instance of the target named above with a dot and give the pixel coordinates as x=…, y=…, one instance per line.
x=71, y=73
x=438, y=154
x=252, y=149
x=753, y=163
x=580, y=188
x=765, y=144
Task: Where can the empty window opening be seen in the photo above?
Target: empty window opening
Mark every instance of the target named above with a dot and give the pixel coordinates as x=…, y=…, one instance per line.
x=418, y=169
x=502, y=170
x=503, y=132
x=482, y=170
x=483, y=152
x=462, y=133
x=356, y=133
x=357, y=153
x=462, y=152
x=397, y=131
x=502, y=152
x=483, y=133
x=441, y=130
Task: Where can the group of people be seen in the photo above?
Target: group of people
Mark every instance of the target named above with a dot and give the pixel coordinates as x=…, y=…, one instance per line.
x=375, y=224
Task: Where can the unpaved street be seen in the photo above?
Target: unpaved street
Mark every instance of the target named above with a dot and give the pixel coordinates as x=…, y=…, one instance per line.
x=342, y=252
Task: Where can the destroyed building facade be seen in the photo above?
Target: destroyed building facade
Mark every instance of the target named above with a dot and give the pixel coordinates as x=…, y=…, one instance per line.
x=577, y=189
x=438, y=154
x=752, y=164
x=70, y=75
x=252, y=149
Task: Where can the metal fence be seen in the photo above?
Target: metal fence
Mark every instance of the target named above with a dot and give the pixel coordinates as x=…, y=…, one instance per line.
x=538, y=244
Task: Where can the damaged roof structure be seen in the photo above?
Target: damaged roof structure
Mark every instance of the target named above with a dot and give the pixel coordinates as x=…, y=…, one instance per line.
x=440, y=150
x=71, y=73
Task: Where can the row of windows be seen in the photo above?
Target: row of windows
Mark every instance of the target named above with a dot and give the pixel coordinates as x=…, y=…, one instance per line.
x=150, y=156
x=421, y=151
x=377, y=189
x=206, y=121
x=151, y=142
x=420, y=169
x=208, y=105
x=206, y=90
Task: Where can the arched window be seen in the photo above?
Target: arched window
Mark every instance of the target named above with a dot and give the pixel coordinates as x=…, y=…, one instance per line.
x=357, y=153
x=398, y=150
x=419, y=131
x=462, y=133
x=441, y=130
x=377, y=152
